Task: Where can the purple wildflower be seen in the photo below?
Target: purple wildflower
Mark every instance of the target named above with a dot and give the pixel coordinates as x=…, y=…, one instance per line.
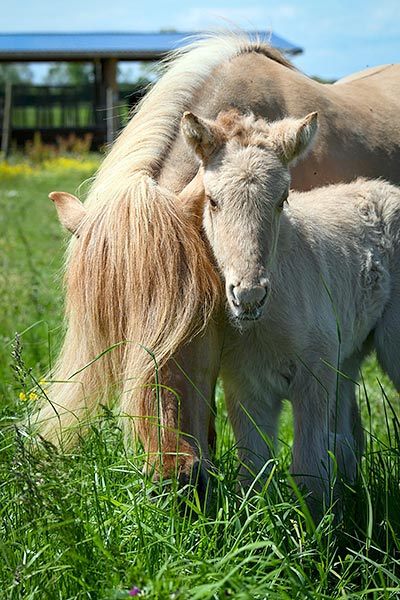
x=135, y=591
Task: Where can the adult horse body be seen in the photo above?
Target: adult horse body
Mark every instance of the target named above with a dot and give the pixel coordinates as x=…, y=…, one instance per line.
x=139, y=276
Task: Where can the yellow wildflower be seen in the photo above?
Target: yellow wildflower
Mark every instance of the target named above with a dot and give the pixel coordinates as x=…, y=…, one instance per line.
x=61, y=164
x=22, y=397
x=33, y=396
x=42, y=385
x=22, y=169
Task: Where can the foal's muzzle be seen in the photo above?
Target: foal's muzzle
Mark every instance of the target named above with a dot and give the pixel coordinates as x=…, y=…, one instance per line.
x=247, y=302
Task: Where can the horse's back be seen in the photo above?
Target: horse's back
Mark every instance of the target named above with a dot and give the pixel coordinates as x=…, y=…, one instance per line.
x=391, y=71
x=384, y=81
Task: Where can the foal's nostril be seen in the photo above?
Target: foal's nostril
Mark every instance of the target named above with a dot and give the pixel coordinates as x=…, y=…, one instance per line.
x=264, y=298
x=234, y=294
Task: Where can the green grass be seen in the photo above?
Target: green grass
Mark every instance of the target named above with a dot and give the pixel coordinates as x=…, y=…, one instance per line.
x=88, y=524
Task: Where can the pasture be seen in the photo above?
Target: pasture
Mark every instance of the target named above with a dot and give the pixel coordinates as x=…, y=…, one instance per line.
x=87, y=523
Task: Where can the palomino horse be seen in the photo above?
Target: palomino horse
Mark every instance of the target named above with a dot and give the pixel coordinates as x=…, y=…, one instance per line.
x=141, y=287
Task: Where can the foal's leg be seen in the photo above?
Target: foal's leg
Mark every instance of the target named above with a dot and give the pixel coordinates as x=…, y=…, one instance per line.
x=387, y=338
x=322, y=425
x=348, y=416
x=254, y=414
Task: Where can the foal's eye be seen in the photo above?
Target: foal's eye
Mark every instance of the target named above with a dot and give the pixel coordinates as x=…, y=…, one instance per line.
x=213, y=204
x=282, y=201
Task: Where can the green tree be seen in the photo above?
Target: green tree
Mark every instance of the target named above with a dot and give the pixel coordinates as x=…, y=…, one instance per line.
x=70, y=73
x=20, y=73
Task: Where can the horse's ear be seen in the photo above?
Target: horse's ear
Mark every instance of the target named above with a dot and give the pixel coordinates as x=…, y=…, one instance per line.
x=71, y=211
x=292, y=137
x=201, y=135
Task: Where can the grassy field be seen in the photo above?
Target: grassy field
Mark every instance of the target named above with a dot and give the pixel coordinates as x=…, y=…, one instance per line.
x=89, y=525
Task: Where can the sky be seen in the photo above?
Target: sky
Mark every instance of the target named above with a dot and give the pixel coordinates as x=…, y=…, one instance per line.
x=338, y=37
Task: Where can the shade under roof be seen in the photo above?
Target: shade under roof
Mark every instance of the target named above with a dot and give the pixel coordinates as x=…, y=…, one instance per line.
x=34, y=47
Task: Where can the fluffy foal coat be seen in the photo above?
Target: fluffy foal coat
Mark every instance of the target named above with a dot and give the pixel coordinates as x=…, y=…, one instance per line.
x=312, y=283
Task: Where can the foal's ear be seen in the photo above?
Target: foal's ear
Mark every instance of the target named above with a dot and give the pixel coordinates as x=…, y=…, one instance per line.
x=292, y=137
x=71, y=211
x=201, y=135
x=192, y=199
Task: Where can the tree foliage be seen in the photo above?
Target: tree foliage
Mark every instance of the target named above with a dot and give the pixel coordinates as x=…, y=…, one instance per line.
x=70, y=74
x=16, y=73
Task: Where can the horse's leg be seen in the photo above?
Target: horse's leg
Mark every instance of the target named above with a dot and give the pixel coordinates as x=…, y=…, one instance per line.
x=324, y=422
x=178, y=444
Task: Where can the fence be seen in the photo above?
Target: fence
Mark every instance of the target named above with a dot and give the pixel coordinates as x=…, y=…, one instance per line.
x=57, y=111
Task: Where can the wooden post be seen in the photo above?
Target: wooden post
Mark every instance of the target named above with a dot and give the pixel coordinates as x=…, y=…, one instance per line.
x=110, y=84
x=106, y=93
x=6, y=129
x=110, y=115
x=99, y=102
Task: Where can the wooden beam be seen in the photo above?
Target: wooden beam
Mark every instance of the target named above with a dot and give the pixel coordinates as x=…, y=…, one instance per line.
x=6, y=128
x=106, y=97
x=109, y=72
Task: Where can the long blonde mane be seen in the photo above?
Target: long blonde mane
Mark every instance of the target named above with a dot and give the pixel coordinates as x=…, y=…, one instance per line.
x=139, y=279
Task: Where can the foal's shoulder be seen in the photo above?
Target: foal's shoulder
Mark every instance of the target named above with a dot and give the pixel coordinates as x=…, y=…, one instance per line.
x=351, y=193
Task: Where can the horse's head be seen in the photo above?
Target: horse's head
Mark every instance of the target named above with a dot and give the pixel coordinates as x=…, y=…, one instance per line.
x=245, y=183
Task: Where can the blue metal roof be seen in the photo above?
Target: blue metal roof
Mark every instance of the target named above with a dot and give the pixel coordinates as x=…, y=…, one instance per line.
x=123, y=46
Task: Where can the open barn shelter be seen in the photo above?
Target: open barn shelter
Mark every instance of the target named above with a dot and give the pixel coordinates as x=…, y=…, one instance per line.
x=57, y=111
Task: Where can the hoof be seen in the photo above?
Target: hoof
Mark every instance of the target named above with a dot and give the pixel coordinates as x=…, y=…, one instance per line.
x=192, y=479
x=197, y=480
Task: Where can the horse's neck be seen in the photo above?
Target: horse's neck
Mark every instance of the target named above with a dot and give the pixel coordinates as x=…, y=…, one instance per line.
x=349, y=143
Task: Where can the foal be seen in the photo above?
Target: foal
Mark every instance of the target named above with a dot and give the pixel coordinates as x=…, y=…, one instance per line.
x=312, y=283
